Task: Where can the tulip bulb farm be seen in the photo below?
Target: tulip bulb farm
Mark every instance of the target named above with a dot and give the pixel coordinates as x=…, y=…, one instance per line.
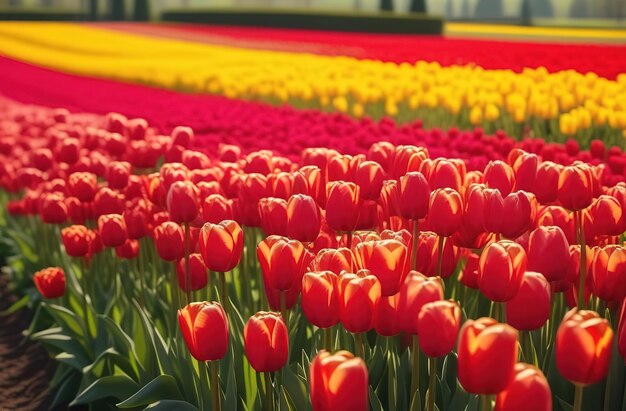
x=221, y=218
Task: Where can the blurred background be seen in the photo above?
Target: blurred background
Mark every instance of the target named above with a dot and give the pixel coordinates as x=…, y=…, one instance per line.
x=543, y=12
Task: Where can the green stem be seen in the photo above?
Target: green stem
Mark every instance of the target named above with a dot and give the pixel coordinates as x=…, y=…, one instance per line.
x=442, y=241
x=187, y=268
x=215, y=386
x=223, y=292
x=284, y=312
x=360, y=347
x=486, y=402
x=578, y=397
x=269, y=391
x=415, y=372
x=432, y=386
x=328, y=339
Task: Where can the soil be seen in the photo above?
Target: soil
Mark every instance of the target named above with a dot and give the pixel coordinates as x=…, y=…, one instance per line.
x=25, y=367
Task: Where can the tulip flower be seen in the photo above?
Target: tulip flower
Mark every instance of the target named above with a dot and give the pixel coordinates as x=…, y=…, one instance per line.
x=529, y=309
x=607, y=216
x=266, y=342
x=83, y=185
x=583, y=349
x=216, y=208
x=444, y=173
x=416, y=291
x=413, y=196
x=221, y=245
x=548, y=252
x=76, y=239
x=53, y=209
x=547, y=184
x=334, y=260
x=386, y=259
x=487, y=353
x=182, y=202
x=197, y=270
x=128, y=251
x=500, y=270
x=358, y=295
x=112, y=230
x=500, y=176
x=528, y=390
x=118, y=174
x=303, y=218
x=469, y=275
x=169, y=240
x=320, y=301
x=342, y=205
x=386, y=317
x=338, y=381
x=205, y=329
x=273, y=213
x=282, y=261
x=575, y=190
x=525, y=168
x=50, y=282
x=446, y=211
x=369, y=176
x=608, y=273
x=439, y=322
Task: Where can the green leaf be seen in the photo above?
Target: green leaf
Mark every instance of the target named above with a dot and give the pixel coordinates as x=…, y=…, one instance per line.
x=16, y=306
x=115, y=358
x=169, y=405
x=116, y=386
x=374, y=401
x=71, y=360
x=416, y=402
x=230, y=402
x=565, y=406
x=296, y=387
x=162, y=387
x=67, y=390
x=65, y=318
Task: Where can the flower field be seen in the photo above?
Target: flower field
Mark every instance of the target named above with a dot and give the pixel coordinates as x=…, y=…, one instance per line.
x=242, y=219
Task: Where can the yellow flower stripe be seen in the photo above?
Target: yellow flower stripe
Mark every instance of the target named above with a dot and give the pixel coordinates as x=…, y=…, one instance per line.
x=558, y=33
x=564, y=103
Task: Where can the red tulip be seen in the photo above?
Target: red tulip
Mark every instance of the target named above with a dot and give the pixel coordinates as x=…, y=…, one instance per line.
x=416, y=291
x=282, y=261
x=413, y=196
x=525, y=167
x=197, y=271
x=112, y=230
x=469, y=275
x=76, y=240
x=583, y=347
x=169, y=240
x=500, y=175
x=334, y=260
x=221, y=245
x=128, y=250
x=446, y=211
x=118, y=174
x=83, y=186
x=386, y=259
x=576, y=183
x=358, y=295
x=444, y=173
x=205, y=329
x=182, y=202
x=273, y=212
x=607, y=216
x=487, y=352
x=342, y=205
x=608, y=273
x=386, y=316
x=216, y=208
x=266, y=342
x=108, y=201
x=338, y=382
x=528, y=390
x=50, y=282
x=303, y=218
x=530, y=308
x=548, y=252
x=369, y=176
x=320, y=301
x=439, y=322
x=547, y=184
x=501, y=268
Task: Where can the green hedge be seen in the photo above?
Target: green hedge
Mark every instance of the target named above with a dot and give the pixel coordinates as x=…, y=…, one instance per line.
x=35, y=14
x=414, y=23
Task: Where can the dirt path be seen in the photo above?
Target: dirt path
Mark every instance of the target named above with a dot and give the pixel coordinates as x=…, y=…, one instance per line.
x=25, y=368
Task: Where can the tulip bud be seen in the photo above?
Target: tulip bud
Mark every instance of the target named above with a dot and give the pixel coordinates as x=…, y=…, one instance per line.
x=169, y=240
x=416, y=291
x=342, y=205
x=128, y=250
x=83, y=185
x=444, y=173
x=487, y=353
x=205, y=329
x=446, y=211
x=108, y=201
x=413, y=196
x=118, y=174
x=334, y=260
x=608, y=273
x=221, y=245
x=500, y=270
x=136, y=219
x=76, y=240
x=439, y=322
x=525, y=167
x=338, y=382
x=320, y=302
x=548, y=252
x=387, y=260
x=386, y=316
x=358, y=295
x=53, y=209
x=273, y=212
x=520, y=209
x=500, y=175
x=607, y=217
x=530, y=308
x=112, y=230
x=216, y=208
x=583, y=347
x=469, y=275
x=547, y=184
x=282, y=261
x=528, y=390
x=266, y=342
x=50, y=282
x=369, y=176
x=303, y=218
x=182, y=202
x=576, y=183
x=197, y=271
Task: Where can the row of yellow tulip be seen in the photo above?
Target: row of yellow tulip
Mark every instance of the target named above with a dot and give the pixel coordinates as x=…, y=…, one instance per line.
x=554, y=105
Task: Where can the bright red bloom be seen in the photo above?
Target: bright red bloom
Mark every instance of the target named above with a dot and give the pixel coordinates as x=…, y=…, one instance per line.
x=112, y=230
x=338, y=382
x=386, y=259
x=530, y=308
x=266, y=342
x=334, y=260
x=182, y=202
x=576, y=186
x=320, y=301
x=358, y=295
x=83, y=185
x=169, y=240
x=528, y=390
x=446, y=211
x=487, y=352
x=283, y=261
x=440, y=322
x=303, y=218
x=216, y=208
x=608, y=273
x=416, y=291
x=52, y=209
x=197, y=271
x=607, y=216
x=273, y=213
x=501, y=268
x=386, y=316
x=342, y=205
x=413, y=196
x=205, y=329
x=50, y=282
x=583, y=347
x=128, y=250
x=548, y=252
x=76, y=239
x=221, y=245
x=499, y=175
